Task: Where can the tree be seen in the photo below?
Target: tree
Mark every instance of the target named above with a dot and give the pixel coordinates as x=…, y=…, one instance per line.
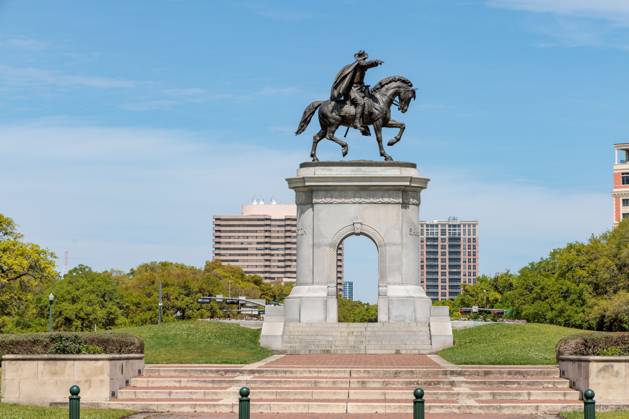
x=583, y=285
x=86, y=300
x=27, y=272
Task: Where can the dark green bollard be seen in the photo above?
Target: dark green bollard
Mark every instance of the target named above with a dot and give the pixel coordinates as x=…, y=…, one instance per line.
x=589, y=405
x=75, y=402
x=418, y=404
x=243, y=404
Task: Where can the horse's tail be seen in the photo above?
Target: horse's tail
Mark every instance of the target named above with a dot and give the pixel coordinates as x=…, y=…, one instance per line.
x=307, y=116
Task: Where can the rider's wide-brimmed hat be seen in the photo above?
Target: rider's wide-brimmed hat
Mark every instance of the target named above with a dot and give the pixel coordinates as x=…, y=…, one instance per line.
x=360, y=54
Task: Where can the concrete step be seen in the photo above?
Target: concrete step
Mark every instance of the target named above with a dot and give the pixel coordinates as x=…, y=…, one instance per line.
x=358, y=382
x=388, y=394
x=187, y=371
x=548, y=406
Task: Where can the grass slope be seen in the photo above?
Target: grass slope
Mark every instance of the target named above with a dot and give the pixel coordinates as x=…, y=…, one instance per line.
x=199, y=342
x=506, y=344
x=13, y=411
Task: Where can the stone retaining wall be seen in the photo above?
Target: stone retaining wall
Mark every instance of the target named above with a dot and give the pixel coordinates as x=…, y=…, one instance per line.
x=45, y=379
x=608, y=376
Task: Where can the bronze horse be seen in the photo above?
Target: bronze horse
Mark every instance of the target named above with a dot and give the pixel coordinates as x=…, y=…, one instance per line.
x=333, y=114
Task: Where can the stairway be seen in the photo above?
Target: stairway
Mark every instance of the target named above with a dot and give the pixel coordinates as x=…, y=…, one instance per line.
x=282, y=387
x=356, y=338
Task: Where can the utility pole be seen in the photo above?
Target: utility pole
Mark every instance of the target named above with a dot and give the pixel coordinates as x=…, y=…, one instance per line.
x=159, y=305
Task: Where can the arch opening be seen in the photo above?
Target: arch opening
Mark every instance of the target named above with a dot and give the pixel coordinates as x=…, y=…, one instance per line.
x=358, y=294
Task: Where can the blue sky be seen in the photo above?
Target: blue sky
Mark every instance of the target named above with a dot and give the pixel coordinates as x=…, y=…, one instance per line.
x=125, y=125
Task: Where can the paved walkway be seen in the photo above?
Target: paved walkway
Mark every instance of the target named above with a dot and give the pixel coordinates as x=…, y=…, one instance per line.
x=328, y=416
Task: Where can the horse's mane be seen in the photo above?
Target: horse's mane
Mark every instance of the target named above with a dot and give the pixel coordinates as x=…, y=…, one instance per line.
x=388, y=80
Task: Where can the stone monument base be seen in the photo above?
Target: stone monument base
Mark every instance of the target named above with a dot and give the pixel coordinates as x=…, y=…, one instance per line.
x=357, y=338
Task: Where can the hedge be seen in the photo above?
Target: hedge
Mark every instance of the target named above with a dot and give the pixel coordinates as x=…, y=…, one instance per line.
x=70, y=343
x=594, y=344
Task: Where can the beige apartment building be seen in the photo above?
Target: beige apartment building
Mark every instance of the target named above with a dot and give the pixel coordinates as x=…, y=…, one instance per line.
x=262, y=240
x=448, y=256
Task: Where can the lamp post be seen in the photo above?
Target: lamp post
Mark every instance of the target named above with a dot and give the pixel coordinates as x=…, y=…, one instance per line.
x=159, y=305
x=51, y=299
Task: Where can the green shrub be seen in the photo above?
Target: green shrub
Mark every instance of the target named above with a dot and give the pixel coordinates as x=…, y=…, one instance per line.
x=357, y=311
x=70, y=343
x=594, y=344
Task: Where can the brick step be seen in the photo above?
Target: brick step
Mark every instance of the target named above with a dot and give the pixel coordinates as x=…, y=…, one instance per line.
x=290, y=406
x=309, y=382
x=344, y=394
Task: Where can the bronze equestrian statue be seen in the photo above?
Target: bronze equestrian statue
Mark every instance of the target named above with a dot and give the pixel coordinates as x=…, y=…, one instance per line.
x=353, y=104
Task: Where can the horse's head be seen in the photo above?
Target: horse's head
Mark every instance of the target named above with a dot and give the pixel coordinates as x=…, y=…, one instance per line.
x=405, y=96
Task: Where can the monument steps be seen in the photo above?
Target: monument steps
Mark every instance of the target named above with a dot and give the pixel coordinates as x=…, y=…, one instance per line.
x=521, y=407
x=352, y=338
x=288, y=370
x=292, y=388
x=201, y=393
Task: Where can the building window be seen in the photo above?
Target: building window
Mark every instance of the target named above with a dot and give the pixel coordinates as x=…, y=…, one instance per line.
x=625, y=215
x=625, y=202
x=624, y=178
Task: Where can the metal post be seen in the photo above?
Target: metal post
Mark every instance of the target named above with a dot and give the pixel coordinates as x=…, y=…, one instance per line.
x=159, y=305
x=418, y=404
x=75, y=402
x=589, y=405
x=243, y=404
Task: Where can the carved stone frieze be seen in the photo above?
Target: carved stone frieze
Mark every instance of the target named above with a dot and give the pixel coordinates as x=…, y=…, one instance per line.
x=356, y=197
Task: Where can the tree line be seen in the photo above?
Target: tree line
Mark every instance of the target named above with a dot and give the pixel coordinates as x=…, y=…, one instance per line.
x=85, y=299
x=582, y=285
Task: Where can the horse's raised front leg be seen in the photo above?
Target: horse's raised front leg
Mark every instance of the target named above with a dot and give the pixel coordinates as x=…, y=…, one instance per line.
x=315, y=141
x=330, y=136
x=377, y=127
x=395, y=124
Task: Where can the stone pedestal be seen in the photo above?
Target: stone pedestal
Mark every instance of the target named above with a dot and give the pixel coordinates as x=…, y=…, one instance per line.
x=379, y=200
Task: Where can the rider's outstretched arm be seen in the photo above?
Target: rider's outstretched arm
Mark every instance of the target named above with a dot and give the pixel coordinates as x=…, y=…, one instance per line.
x=372, y=63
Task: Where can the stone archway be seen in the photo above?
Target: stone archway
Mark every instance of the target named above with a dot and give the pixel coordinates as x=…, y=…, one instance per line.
x=378, y=200
x=358, y=228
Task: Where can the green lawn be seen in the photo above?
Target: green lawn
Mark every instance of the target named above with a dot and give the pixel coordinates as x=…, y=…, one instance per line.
x=199, y=342
x=599, y=415
x=506, y=344
x=12, y=411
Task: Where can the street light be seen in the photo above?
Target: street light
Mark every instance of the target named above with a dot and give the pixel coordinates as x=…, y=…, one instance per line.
x=159, y=305
x=51, y=299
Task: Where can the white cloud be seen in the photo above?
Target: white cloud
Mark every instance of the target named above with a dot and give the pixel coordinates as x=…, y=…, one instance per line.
x=171, y=98
x=616, y=11
x=24, y=44
x=36, y=76
x=519, y=222
x=576, y=23
x=116, y=197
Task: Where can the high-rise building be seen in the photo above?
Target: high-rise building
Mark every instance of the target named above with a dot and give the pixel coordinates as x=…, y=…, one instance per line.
x=620, y=192
x=448, y=256
x=348, y=290
x=262, y=240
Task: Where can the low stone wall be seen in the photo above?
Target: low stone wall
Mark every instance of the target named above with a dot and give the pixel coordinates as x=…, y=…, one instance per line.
x=608, y=376
x=45, y=379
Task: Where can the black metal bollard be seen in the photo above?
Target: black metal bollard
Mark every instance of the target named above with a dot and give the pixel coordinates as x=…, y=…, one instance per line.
x=418, y=404
x=589, y=405
x=75, y=402
x=243, y=404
